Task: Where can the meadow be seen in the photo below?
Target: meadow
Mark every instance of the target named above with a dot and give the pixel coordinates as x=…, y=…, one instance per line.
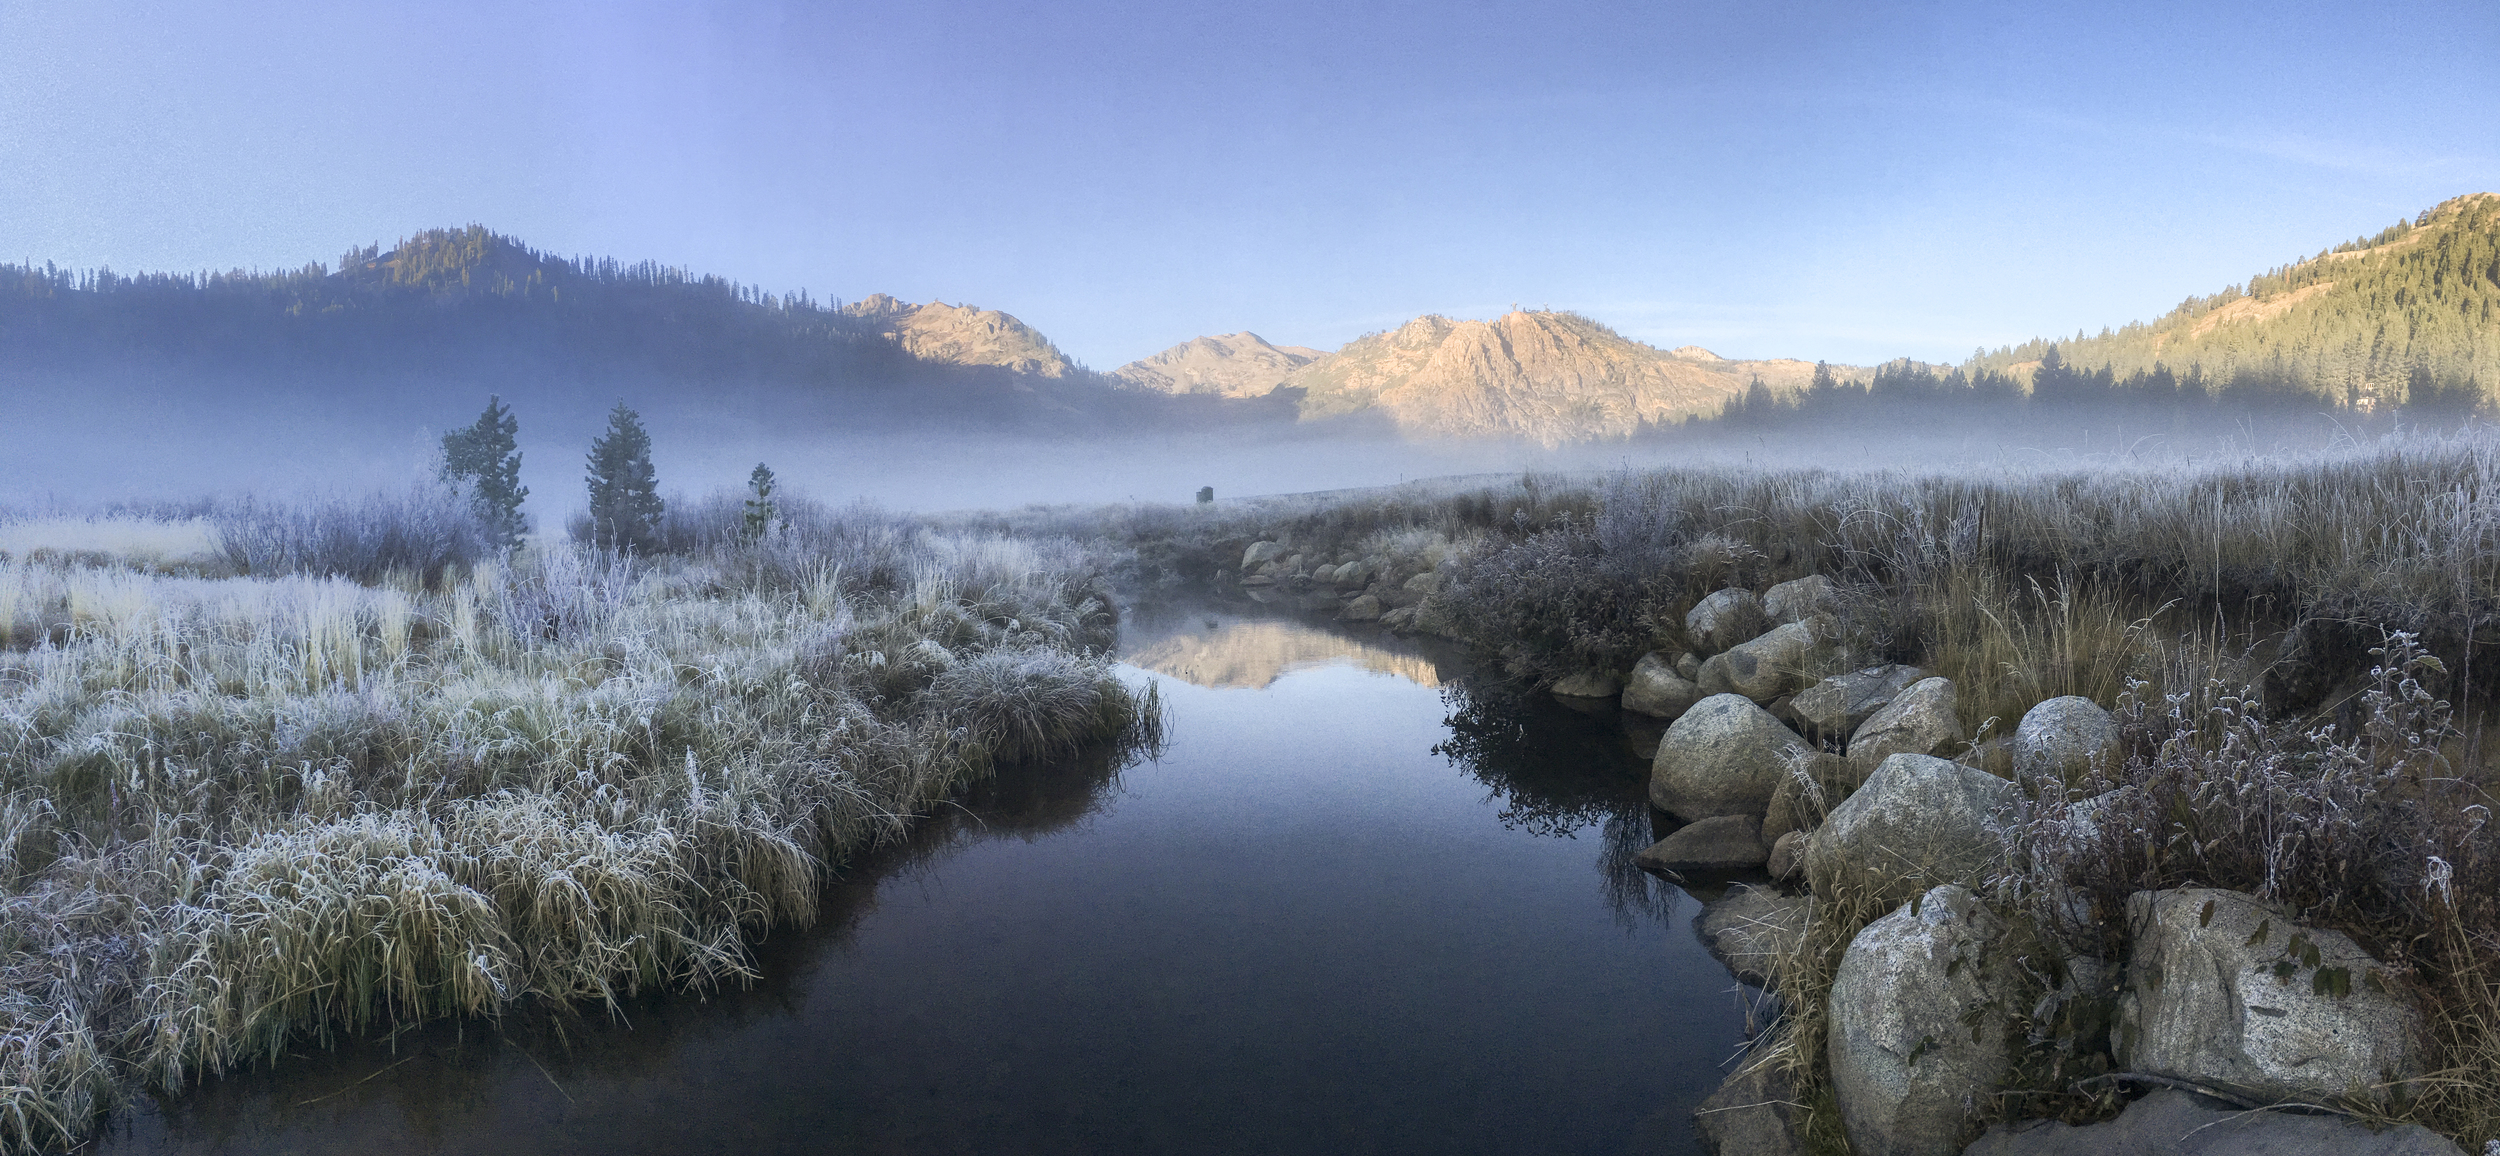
x=278, y=774
x=272, y=775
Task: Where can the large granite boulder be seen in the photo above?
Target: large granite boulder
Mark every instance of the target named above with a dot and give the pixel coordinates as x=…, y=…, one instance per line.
x=1763, y=668
x=1920, y=1014
x=1801, y=800
x=1919, y=822
x=1724, y=619
x=2062, y=738
x=2171, y=1122
x=1788, y=857
x=1839, y=705
x=1362, y=609
x=1723, y=757
x=2228, y=993
x=1918, y=721
x=1802, y=599
x=1656, y=689
x=1751, y=929
x=1714, y=846
x=1260, y=554
x=1756, y=1112
x=1587, y=684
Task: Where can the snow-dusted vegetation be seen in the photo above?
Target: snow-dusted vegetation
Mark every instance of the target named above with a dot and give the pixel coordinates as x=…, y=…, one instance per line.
x=299, y=772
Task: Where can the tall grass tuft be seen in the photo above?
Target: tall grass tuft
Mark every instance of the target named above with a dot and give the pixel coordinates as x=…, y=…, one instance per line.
x=361, y=785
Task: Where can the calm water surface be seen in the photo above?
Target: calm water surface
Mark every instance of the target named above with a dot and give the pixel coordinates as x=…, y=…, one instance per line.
x=1356, y=907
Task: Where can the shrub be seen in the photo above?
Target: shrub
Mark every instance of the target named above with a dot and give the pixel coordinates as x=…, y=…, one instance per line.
x=426, y=531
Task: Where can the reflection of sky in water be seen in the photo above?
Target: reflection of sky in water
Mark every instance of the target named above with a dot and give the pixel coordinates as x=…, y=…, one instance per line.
x=1215, y=650
x=1327, y=920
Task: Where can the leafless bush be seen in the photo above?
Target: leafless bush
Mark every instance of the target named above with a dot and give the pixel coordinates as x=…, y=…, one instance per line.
x=426, y=531
x=2371, y=832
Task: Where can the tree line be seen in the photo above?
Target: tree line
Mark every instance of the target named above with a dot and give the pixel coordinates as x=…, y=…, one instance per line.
x=1909, y=390
x=483, y=460
x=2362, y=325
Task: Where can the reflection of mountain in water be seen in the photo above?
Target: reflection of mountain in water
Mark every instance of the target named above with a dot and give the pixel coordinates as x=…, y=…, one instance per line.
x=1216, y=651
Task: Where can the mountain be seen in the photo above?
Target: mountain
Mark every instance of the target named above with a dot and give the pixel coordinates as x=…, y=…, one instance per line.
x=1230, y=365
x=2354, y=323
x=961, y=335
x=461, y=313
x=1550, y=377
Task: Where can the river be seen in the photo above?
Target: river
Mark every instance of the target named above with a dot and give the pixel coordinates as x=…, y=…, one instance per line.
x=1357, y=906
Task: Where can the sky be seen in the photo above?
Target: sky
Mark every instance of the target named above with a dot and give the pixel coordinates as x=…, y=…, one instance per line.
x=1843, y=181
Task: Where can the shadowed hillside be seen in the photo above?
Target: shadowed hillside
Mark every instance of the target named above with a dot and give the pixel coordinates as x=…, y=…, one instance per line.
x=478, y=307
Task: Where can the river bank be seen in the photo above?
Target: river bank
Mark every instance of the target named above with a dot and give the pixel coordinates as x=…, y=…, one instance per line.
x=2281, y=655
x=1349, y=903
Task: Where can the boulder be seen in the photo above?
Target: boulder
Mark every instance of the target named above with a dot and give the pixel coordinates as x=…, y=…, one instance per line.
x=1396, y=594
x=1800, y=600
x=2227, y=993
x=1357, y=574
x=1763, y=668
x=1425, y=584
x=1918, y=823
x=1363, y=609
x=1919, y=1019
x=1755, y=1112
x=1401, y=620
x=1839, y=705
x=1713, y=846
x=1800, y=801
x=2171, y=1122
x=1751, y=929
x=1641, y=733
x=1918, y=721
x=1688, y=666
x=1656, y=689
x=1588, y=684
x=1723, y=757
x=1788, y=856
x=1724, y=619
x=1261, y=553
x=2063, y=738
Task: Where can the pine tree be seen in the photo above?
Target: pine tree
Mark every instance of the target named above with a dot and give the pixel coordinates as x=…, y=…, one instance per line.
x=485, y=460
x=760, y=510
x=624, y=492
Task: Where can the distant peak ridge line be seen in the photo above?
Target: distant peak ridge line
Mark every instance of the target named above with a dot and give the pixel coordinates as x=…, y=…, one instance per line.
x=1547, y=375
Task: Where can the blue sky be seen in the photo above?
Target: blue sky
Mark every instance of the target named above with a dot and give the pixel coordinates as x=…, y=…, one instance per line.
x=1843, y=181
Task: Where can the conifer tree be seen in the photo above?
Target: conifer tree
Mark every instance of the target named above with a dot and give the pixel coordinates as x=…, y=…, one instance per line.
x=624, y=491
x=760, y=509
x=485, y=460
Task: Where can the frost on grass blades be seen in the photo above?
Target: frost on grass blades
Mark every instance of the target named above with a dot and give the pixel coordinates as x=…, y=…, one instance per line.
x=295, y=773
x=2297, y=649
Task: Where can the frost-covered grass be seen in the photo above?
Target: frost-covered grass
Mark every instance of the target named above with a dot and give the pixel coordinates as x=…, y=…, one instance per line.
x=160, y=544
x=2299, y=646
x=241, y=812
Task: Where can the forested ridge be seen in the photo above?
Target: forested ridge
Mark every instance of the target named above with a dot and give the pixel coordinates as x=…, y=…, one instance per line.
x=441, y=292
x=2359, y=324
